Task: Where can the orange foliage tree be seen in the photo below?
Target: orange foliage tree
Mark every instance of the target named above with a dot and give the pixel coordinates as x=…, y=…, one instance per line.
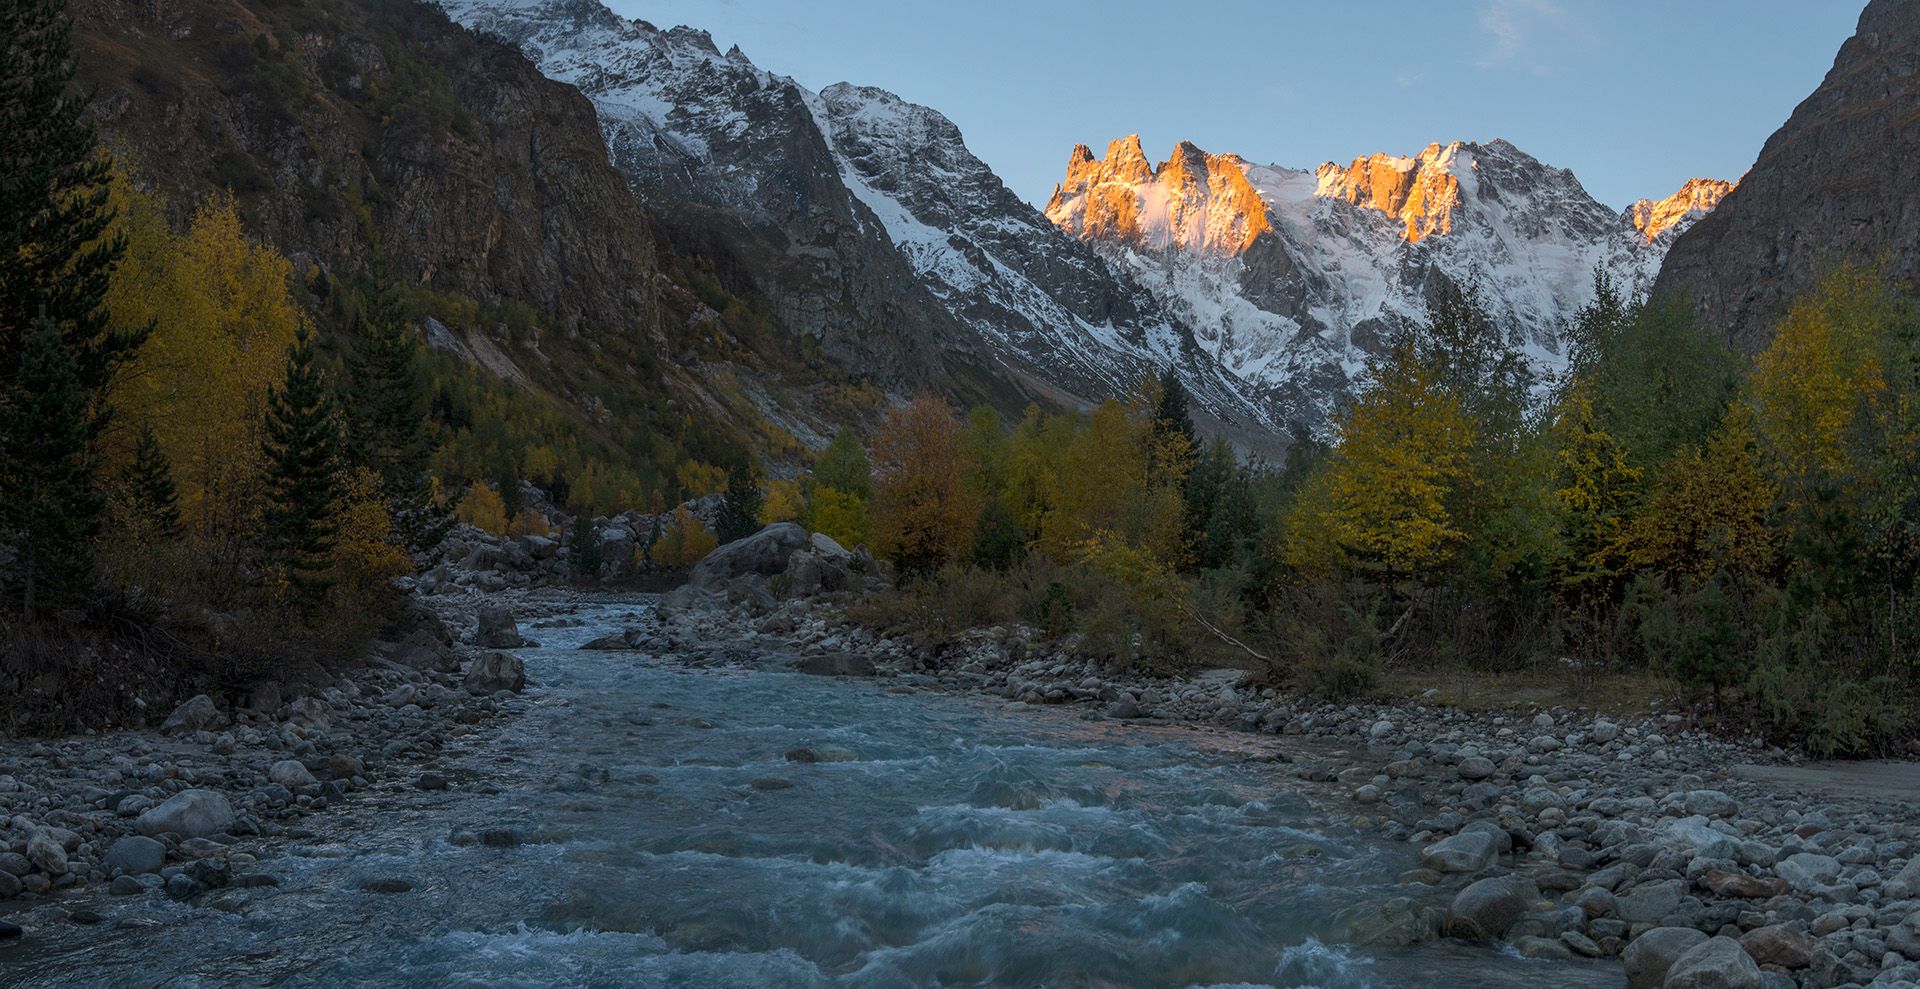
x=925, y=507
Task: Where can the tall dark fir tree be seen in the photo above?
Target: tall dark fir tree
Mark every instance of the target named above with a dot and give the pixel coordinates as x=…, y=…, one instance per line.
x=740, y=508
x=152, y=501
x=56, y=258
x=388, y=426
x=302, y=449
x=58, y=351
x=47, y=493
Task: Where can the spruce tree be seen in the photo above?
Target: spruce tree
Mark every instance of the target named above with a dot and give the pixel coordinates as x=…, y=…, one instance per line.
x=1172, y=416
x=585, y=552
x=302, y=449
x=151, y=498
x=740, y=508
x=50, y=505
x=55, y=256
x=388, y=428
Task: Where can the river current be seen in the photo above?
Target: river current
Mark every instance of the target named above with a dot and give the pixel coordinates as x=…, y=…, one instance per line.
x=701, y=827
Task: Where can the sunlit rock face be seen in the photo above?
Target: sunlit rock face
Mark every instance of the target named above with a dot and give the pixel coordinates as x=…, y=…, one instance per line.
x=1297, y=276
x=1653, y=217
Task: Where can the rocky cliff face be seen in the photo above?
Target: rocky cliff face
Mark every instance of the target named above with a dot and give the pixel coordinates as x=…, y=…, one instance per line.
x=1290, y=278
x=1840, y=178
x=358, y=125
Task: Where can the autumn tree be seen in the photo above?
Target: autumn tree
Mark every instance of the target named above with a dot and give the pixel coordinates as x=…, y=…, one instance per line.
x=924, y=507
x=683, y=542
x=1597, y=490
x=843, y=466
x=1402, y=461
x=483, y=509
x=1709, y=512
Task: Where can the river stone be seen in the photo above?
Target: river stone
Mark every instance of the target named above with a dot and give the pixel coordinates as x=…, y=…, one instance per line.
x=9, y=930
x=1905, y=884
x=1648, y=904
x=1807, y=871
x=834, y=664
x=136, y=855
x=765, y=553
x=423, y=651
x=1778, y=944
x=291, y=774
x=1711, y=803
x=388, y=884
x=46, y=853
x=1717, y=963
x=1475, y=768
x=189, y=813
x=1466, y=852
x=1650, y=955
x=197, y=714
x=10, y=885
x=126, y=886
x=14, y=863
x=495, y=671
x=498, y=629
x=1485, y=910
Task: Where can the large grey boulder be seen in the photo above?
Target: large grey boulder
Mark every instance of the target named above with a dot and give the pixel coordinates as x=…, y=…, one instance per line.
x=1467, y=852
x=1716, y=963
x=1778, y=944
x=1905, y=884
x=1807, y=871
x=291, y=773
x=498, y=629
x=1485, y=910
x=197, y=714
x=189, y=814
x=136, y=855
x=47, y=853
x=422, y=650
x=764, y=553
x=495, y=671
x=1650, y=955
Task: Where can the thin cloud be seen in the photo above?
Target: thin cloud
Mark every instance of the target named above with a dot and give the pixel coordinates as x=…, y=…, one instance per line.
x=1519, y=31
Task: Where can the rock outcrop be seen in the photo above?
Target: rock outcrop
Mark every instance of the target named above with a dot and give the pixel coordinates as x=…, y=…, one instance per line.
x=1840, y=179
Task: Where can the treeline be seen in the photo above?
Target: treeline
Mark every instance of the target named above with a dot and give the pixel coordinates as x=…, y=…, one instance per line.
x=1748, y=527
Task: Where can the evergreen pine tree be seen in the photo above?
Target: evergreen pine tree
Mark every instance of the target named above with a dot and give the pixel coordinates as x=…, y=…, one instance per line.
x=302, y=449
x=55, y=257
x=508, y=485
x=740, y=508
x=150, y=494
x=388, y=428
x=585, y=550
x=1172, y=417
x=50, y=506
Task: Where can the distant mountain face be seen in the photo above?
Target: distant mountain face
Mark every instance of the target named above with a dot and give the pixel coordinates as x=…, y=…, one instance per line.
x=1841, y=177
x=1291, y=277
x=879, y=233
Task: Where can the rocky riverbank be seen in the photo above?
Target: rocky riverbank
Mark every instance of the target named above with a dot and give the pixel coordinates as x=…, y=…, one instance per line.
x=186, y=809
x=1561, y=834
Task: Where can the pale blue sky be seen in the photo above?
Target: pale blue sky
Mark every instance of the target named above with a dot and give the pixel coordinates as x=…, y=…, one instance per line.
x=1635, y=96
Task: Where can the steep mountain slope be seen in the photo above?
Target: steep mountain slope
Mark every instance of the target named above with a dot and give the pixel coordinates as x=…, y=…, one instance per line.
x=892, y=243
x=356, y=132
x=1841, y=177
x=1290, y=278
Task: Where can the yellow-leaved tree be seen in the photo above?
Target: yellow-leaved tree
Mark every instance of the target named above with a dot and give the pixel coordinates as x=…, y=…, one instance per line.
x=924, y=505
x=1400, y=466
x=483, y=508
x=784, y=502
x=1823, y=372
x=222, y=317
x=1709, y=512
x=684, y=541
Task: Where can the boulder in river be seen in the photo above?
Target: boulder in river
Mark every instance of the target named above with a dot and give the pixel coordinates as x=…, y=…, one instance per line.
x=834, y=664
x=498, y=629
x=47, y=853
x=1466, y=852
x=189, y=813
x=765, y=553
x=136, y=855
x=1485, y=910
x=1650, y=955
x=495, y=671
